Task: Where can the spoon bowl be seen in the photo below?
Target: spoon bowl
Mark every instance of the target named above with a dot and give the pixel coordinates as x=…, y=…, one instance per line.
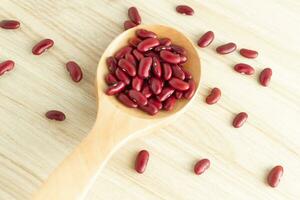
x=115, y=124
x=192, y=65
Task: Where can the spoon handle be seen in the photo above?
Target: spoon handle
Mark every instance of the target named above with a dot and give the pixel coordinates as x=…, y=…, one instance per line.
x=71, y=179
x=76, y=174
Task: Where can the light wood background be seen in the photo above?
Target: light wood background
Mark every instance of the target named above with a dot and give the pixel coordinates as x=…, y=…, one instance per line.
x=32, y=146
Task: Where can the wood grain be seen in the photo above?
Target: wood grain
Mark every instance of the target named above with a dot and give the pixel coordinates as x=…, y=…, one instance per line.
x=31, y=146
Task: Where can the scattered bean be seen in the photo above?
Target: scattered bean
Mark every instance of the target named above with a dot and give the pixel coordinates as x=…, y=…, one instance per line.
x=74, y=70
x=6, y=66
x=55, y=115
x=226, y=48
x=214, y=96
x=129, y=24
x=184, y=9
x=9, y=24
x=247, y=53
x=134, y=15
x=275, y=175
x=265, y=77
x=239, y=120
x=42, y=46
x=244, y=69
x=141, y=161
x=201, y=166
x=206, y=39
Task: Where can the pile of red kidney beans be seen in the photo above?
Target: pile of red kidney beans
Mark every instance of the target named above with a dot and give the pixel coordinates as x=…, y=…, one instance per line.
x=149, y=74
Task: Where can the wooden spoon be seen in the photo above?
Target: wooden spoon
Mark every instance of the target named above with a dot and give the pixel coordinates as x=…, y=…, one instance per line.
x=115, y=124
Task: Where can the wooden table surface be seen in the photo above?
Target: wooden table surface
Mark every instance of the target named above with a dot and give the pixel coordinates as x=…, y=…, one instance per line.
x=32, y=146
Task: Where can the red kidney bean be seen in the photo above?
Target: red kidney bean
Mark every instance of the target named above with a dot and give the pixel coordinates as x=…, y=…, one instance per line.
x=167, y=71
x=141, y=161
x=169, y=104
x=55, y=115
x=248, y=53
x=122, y=52
x=165, y=41
x=191, y=91
x=159, y=48
x=214, y=96
x=265, y=77
x=142, y=33
x=134, y=41
x=178, y=49
x=155, y=85
x=110, y=79
x=115, y=88
x=201, y=166
x=244, y=69
x=156, y=103
x=134, y=15
x=137, y=83
x=147, y=44
x=179, y=84
x=184, y=9
x=127, y=67
x=138, y=55
x=9, y=24
x=206, y=39
x=178, y=72
x=239, y=120
x=178, y=94
x=151, y=109
x=123, y=98
x=187, y=75
x=226, y=48
x=6, y=66
x=183, y=59
x=170, y=57
x=111, y=64
x=130, y=58
x=275, y=175
x=122, y=76
x=150, y=54
x=138, y=97
x=146, y=91
x=74, y=70
x=156, y=67
x=129, y=24
x=144, y=67
x=165, y=93
x=42, y=46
